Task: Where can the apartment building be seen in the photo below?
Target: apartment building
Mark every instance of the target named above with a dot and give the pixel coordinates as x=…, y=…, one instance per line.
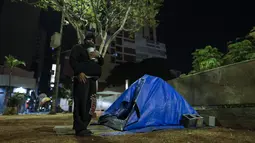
x=137, y=47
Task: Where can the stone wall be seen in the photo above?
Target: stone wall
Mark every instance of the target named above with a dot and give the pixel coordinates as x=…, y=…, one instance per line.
x=231, y=84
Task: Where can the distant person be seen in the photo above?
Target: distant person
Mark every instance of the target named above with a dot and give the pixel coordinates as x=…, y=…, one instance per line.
x=86, y=63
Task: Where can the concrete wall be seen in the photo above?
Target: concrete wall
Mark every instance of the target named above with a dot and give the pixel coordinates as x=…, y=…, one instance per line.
x=232, y=84
x=238, y=118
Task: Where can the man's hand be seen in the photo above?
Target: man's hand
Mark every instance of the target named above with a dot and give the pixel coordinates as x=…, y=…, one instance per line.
x=82, y=77
x=94, y=54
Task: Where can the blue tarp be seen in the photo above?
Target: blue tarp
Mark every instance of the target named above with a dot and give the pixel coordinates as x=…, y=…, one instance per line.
x=160, y=106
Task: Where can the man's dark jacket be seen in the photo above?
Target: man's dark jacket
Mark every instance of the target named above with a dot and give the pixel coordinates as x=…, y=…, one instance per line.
x=80, y=62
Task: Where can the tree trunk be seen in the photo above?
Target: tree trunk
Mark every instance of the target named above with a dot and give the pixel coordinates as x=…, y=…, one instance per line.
x=117, y=32
x=80, y=37
x=106, y=48
x=102, y=45
x=82, y=33
x=108, y=42
x=9, y=84
x=57, y=77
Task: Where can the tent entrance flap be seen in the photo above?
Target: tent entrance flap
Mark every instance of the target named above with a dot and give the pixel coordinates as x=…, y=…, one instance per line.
x=136, y=110
x=120, y=120
x=112, y=122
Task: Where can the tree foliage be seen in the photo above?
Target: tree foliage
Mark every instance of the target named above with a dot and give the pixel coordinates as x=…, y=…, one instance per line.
x=251, y=36
x=240, y=51
x=106, y=16
x=122, y=15
x=76, y=12
x=12, y=62
x=207, y=58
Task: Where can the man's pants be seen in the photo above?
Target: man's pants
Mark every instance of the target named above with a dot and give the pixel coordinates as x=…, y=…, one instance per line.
x=82, y=103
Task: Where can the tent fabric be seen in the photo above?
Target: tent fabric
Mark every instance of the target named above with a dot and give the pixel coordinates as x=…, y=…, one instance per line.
x=157, y=103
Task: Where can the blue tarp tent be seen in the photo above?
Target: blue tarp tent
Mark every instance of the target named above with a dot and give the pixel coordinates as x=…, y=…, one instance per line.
x=150, y=103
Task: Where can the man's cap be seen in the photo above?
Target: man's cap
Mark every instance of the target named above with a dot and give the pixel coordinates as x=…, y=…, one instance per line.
x=90, y=36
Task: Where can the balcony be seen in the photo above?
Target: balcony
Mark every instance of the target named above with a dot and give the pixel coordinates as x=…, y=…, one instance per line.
x=16, y=72
x=17, y=81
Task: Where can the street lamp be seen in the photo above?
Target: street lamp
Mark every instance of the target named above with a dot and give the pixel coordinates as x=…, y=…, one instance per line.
x=58, y=45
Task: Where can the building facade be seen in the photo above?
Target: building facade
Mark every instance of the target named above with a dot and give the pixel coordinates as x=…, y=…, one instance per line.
x=137, y=47
x=22, y=81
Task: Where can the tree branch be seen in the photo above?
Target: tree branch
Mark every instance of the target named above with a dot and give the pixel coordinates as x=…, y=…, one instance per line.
x=118, y=31
x=77, y=27
x=98, y=24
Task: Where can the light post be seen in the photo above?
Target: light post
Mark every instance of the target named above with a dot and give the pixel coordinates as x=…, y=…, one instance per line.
x=55, y=96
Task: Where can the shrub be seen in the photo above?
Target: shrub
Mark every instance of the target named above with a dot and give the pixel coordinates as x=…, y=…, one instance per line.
x=239, y=51
x=16, y=100
x=207, y=58
x=11, y=111
x=13, y=103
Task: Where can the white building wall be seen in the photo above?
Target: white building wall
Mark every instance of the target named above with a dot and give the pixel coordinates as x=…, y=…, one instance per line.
x=17, y=81
x=146, y=48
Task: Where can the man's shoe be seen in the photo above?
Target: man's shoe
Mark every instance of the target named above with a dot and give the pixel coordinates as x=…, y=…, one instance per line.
x=84, y=133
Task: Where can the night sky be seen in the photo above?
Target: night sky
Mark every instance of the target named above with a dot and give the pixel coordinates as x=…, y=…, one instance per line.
x=186, y=25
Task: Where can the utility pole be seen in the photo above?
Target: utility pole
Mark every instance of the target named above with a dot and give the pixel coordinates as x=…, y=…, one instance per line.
x=57, y=77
